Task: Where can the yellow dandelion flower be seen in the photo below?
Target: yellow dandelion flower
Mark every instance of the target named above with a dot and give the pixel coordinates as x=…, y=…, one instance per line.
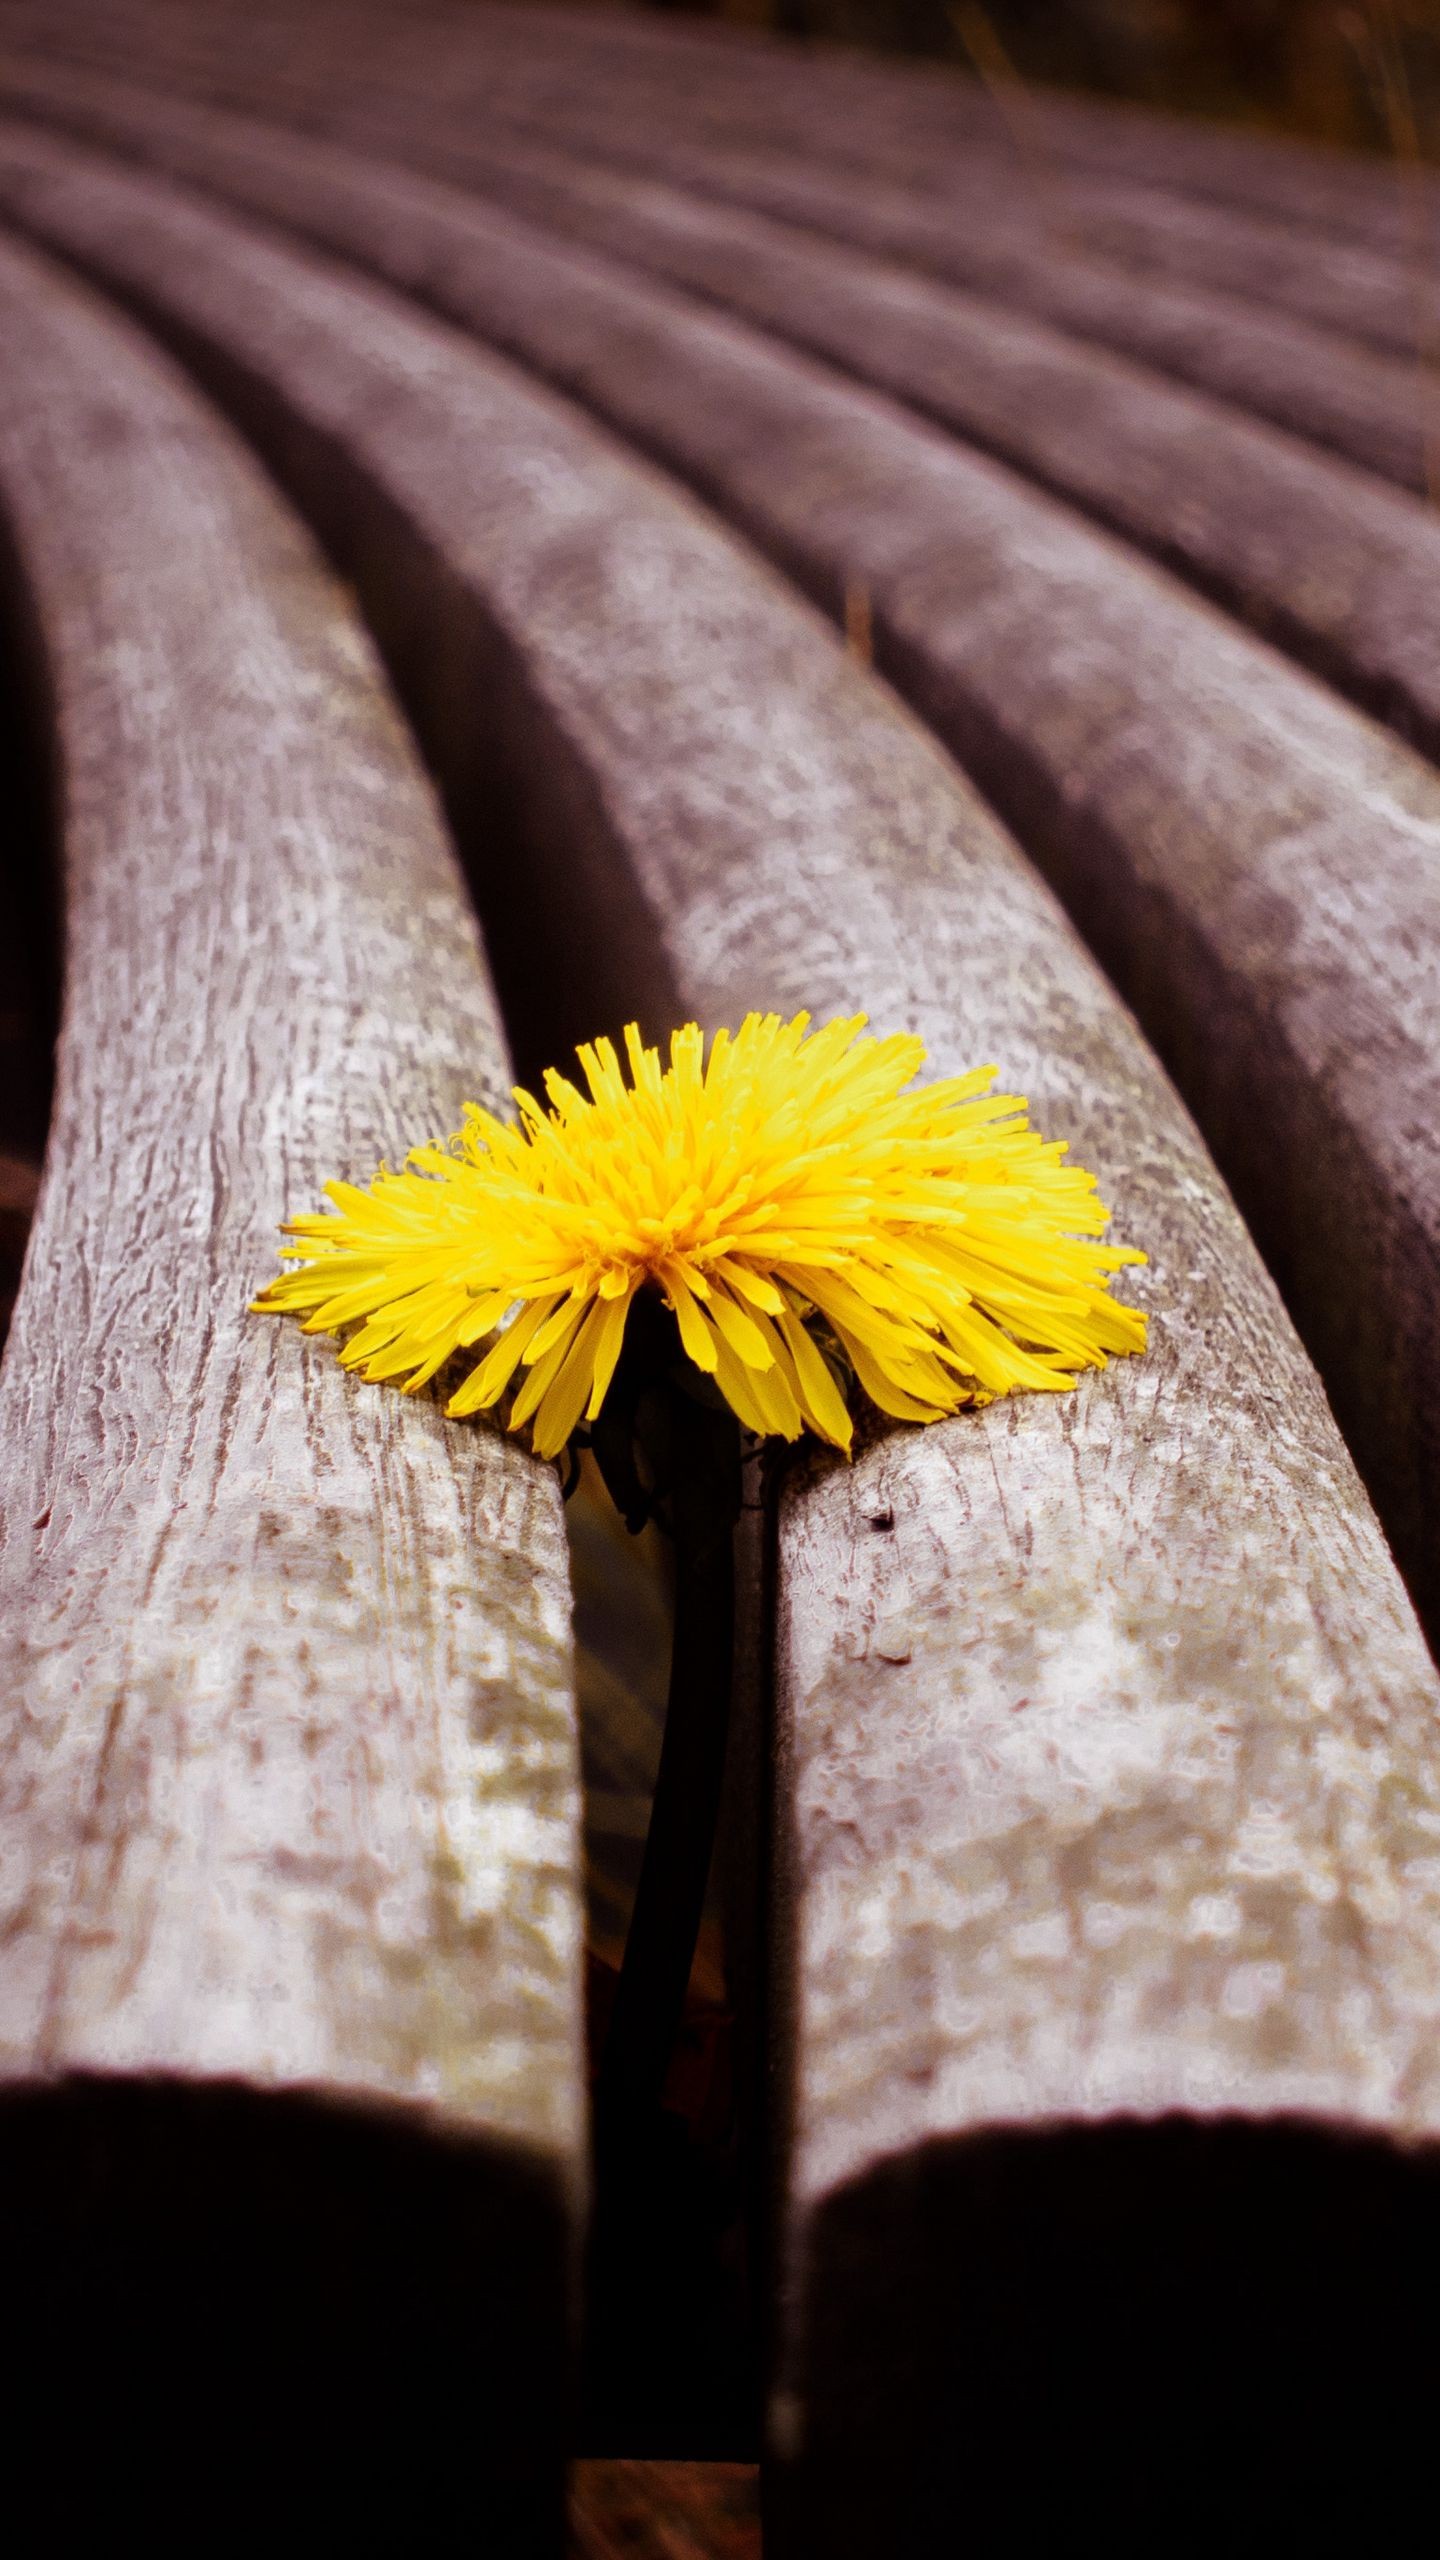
x=808, y=1212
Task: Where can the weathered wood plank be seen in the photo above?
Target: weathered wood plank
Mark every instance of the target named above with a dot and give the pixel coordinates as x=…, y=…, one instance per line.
x=1368, y=406
x=1355, y=400
x=917, y=124
x=1198, y=801
x=928, y=116
x=852, y=121
x=1105, y=1777
x=858, y=118
x=1386, y=203
x=1241, y=511
x=288, y=1805
x=932, y=115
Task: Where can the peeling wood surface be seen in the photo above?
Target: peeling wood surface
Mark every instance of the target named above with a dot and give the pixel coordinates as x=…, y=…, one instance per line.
x=1258, y=866
x=1107, y=1774
x=289, y=1784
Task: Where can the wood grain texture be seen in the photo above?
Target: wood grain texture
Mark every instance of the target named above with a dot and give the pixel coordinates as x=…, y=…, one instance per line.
x=344, y=76
x=1311, y=184
x=1106, y=1779
x=929, y=116
x=1342, y=573
x=856, y=119
x=1351, y=398
x=289, y=1793
x=861, y=120
x=1199, y=802
x=921, y=121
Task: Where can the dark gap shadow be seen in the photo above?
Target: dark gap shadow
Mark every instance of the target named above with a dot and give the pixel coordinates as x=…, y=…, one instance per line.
x=1183, y=2336
x=242, y=2314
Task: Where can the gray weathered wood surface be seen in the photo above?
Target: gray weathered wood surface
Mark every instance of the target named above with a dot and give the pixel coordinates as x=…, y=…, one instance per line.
x=1106, y=1777
x=859, y=119
x=920, y=123
x=864, y=127
x=288, y=1792
x=1342, y=573
x=339, y=75
x=1256, y=864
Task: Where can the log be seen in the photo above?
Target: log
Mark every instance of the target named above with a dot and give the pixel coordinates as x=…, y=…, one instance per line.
x=1104, y=1777
x=290, y=2023
x=1196, y=800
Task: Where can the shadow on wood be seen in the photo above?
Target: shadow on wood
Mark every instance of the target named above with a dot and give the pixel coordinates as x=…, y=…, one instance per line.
x=328, y=2316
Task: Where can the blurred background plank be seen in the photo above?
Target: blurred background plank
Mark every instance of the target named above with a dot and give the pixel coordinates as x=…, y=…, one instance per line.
x=664, y=2511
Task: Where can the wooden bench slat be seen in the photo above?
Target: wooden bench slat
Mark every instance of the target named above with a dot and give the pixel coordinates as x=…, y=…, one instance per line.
x=1358, y=288
x=1244, y=513
x=930, y=114
x=933, y=114
x=1311, y=184
x=856, y=118
x=918, y=121
x=289, y=1808
x=1198, y=801
x=1042, y=1863
x=1344, y=396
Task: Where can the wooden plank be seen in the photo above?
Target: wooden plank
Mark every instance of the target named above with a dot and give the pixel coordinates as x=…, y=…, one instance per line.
x=1351, y=399
x=291, y=2030
x=859, y=119
x=931, y=116
x=853, y=121
x=1197, y=800
x=1384, y=202
x=29, y=950
x=623, y=2510
x=1358, y=402
x=914, y=124
x=1359, y=399
x=1105, y=1781
x=1238, y=509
